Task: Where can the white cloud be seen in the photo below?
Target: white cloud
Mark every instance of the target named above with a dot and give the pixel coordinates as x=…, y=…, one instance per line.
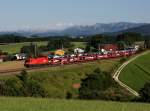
x=64, y=25
x=38, y=28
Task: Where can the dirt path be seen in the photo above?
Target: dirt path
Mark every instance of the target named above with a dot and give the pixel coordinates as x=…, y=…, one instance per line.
x=11, y=65
x=117, y=73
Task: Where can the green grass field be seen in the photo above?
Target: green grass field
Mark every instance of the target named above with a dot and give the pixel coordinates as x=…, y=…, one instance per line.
x=79, y=44
x=15, y=47
x=32, y=104
x=137, y=73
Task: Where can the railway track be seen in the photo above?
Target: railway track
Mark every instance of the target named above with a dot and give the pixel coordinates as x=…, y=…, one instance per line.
x=16, y=71
x=11, y=71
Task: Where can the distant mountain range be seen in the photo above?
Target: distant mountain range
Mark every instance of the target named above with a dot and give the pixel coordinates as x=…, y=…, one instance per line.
x=101, y=28
x=98, y=28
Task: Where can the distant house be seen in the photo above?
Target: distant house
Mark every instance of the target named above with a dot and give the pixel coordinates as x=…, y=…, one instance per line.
x=139, y=44
x=21, y=56
x=78, y=50
x=109, y=47
x=2, y=58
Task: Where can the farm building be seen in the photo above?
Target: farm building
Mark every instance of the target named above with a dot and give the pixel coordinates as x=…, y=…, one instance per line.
x=78, y=50
x=21, y=56
x=59, y=52
x=2, y=58
x=140, y=44
x=109, y=47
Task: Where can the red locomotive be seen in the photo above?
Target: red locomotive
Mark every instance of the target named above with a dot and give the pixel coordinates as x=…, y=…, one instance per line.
x=36, y=61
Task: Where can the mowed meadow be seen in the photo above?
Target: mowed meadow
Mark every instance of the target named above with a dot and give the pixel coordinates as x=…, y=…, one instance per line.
x=15, y=47
x=34, y=104
x=137, y=73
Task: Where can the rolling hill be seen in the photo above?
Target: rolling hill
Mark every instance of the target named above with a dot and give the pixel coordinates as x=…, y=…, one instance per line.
x=137, y=73
x=144, y=30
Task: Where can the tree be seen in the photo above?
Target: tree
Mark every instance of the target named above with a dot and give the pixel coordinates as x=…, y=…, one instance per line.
x=35, y=89
x=31, y=50
x=31, y=87
x=129, y=37
x=58, y=44
x=121, y=45
x=96, y=40
x=93, y=86
x=23, y=76
x=11, y=38
x=147, y=43
x=145, y=93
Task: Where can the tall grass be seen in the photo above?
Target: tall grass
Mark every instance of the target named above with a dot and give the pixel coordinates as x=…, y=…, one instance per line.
x=32, y=104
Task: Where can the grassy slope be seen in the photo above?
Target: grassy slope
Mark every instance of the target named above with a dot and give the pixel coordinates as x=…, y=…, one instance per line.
x=32, y=104
x=137, y=73
x=59, y=80
x=15, y=48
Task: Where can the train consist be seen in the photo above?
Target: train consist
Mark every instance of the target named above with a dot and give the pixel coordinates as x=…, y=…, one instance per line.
x=75, y=58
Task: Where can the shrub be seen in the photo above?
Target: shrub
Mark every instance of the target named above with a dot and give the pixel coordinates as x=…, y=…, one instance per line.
x=22, y=85
x=93, y=86
x=122, y=60
x=69, y=95
x=35, y=89
x=145, y=93
x=11, y=87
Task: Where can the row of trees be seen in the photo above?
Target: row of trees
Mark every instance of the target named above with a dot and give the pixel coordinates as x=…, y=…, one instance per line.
x=14, y=38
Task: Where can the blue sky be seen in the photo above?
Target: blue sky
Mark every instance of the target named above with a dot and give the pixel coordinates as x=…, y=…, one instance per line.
x=43, y=14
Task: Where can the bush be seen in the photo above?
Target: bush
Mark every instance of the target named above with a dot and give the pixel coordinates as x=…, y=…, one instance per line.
x=116, y=93
x=69, y=95
x=22, y=85
x=145, y=93
x=11, y=87
x=122, y=60
x=93, y=86
x=35, y=89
